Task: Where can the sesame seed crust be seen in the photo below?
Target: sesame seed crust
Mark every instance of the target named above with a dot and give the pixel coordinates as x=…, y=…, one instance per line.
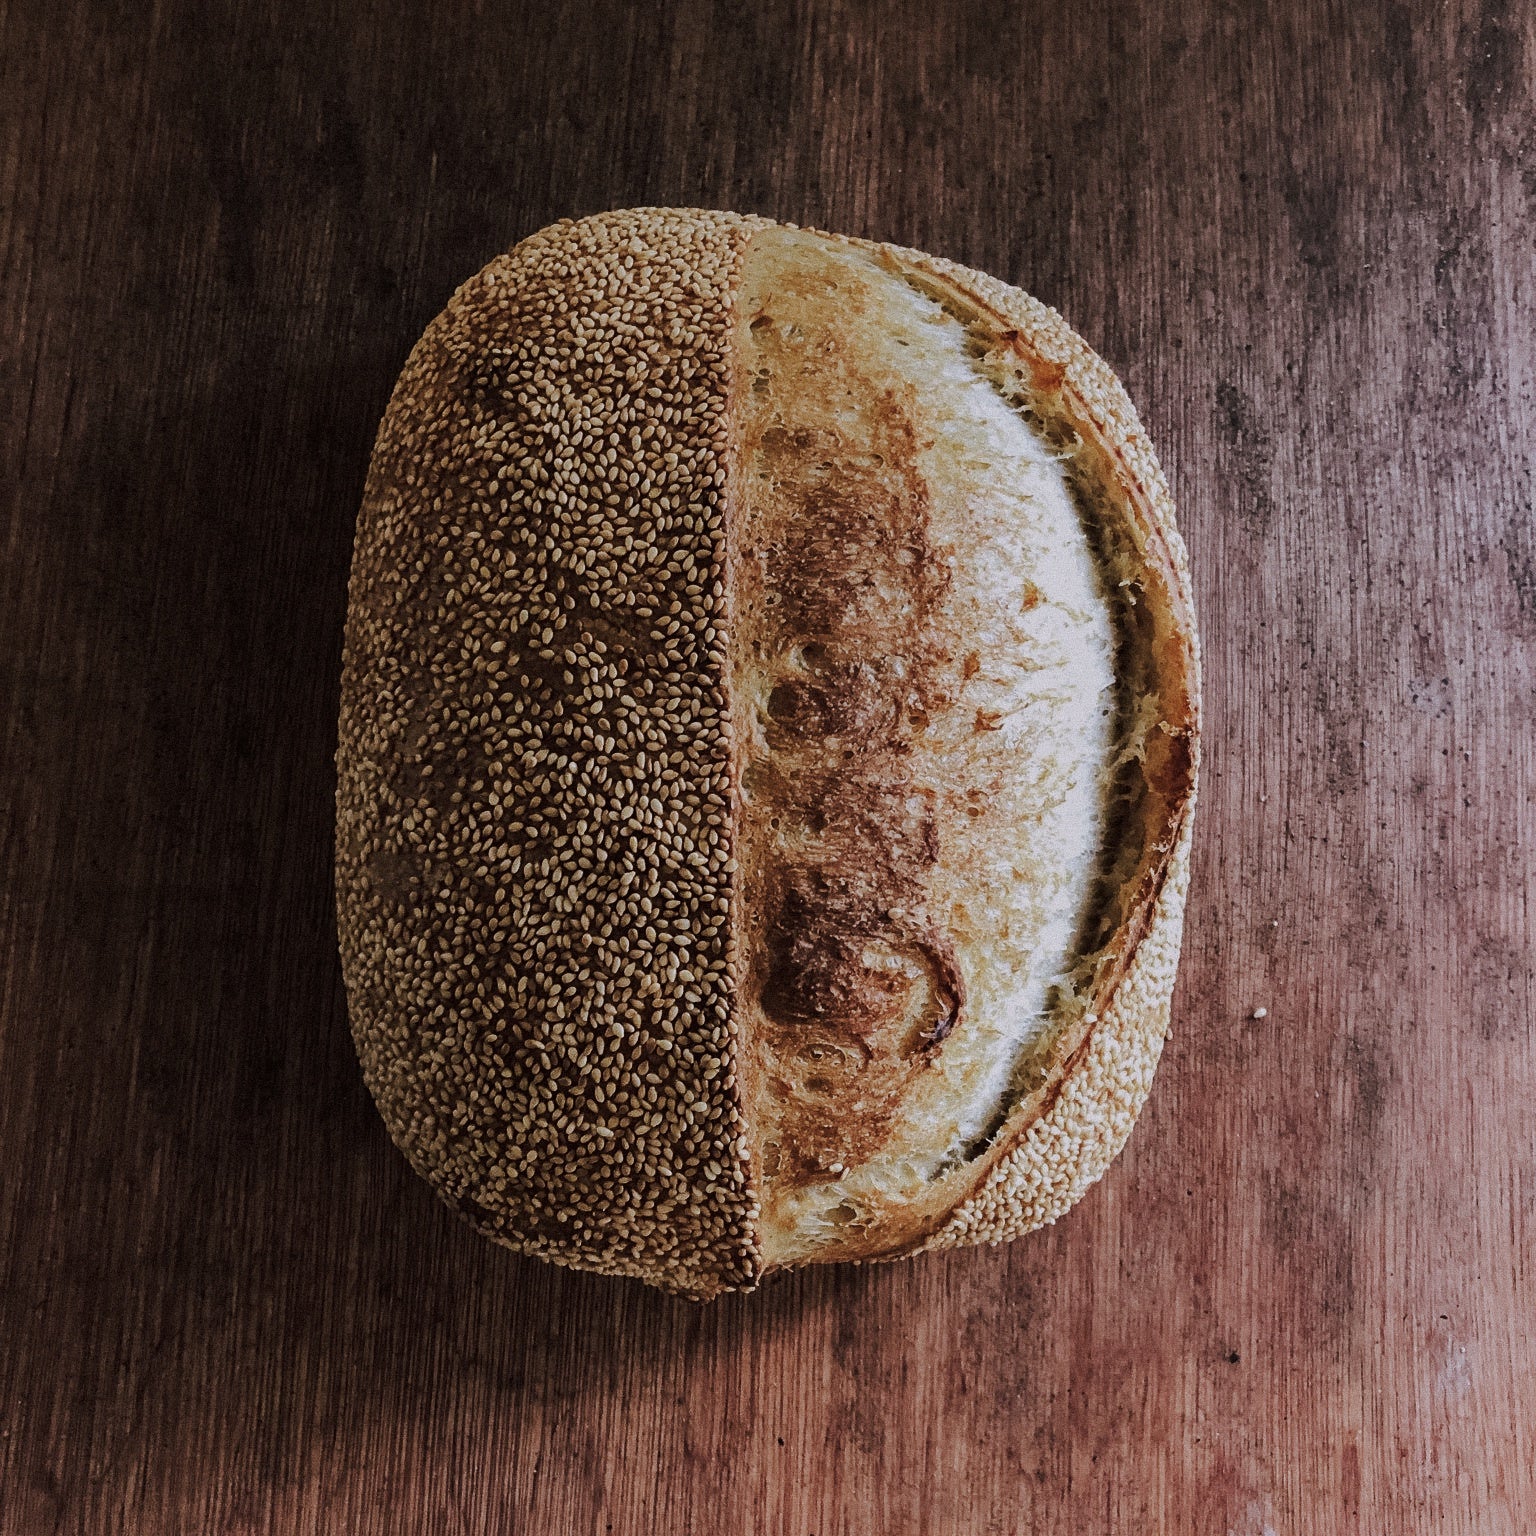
x=534, y=835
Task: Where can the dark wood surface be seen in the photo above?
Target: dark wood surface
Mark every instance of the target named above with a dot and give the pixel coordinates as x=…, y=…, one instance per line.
x=1301, y=1302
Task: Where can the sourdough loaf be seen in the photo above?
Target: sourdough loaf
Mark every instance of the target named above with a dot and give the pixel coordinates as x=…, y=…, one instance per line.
x=767, y=755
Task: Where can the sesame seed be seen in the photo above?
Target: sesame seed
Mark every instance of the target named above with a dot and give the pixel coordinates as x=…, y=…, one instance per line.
x=505, y=914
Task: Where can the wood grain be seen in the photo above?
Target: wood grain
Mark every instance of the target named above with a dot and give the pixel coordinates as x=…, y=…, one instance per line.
x=1301, y=1300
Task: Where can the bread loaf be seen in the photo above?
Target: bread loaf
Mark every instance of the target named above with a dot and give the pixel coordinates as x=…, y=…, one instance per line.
x=768, y=746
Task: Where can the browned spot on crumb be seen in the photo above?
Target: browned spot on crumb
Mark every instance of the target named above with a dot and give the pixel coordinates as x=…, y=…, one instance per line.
x=842, y=590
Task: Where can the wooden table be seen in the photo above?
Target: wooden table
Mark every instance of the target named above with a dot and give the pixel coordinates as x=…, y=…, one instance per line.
x=1301, y=1302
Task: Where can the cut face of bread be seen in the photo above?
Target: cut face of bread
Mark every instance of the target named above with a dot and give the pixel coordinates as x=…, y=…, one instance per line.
x=923, y=697
x=767, y=753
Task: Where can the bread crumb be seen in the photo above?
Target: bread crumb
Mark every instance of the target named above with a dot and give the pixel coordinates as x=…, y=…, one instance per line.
x=1259, y=1013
